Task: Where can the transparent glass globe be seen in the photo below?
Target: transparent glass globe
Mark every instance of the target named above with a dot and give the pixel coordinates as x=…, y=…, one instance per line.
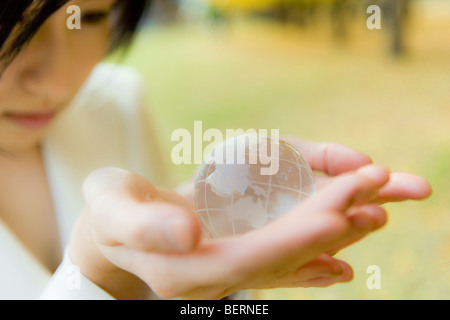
x=249, y=181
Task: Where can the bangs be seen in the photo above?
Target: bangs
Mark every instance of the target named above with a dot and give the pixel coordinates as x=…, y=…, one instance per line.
x=21, y=19
x=19, y=22
x=130, y=13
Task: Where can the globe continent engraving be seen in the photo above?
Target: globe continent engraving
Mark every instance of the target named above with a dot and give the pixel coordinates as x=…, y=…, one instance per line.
x=235, y=192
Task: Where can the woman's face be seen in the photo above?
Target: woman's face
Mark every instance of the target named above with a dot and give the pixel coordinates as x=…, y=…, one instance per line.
x=48, y=73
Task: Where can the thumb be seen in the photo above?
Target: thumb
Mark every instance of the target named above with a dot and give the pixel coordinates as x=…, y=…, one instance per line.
x=127, y=210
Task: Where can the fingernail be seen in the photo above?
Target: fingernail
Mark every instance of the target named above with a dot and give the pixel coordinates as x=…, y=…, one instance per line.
x=376, y=173
x=337, y=270
x=361, y=221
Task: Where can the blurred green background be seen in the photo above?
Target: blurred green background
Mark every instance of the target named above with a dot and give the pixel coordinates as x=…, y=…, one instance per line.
x=313, y=69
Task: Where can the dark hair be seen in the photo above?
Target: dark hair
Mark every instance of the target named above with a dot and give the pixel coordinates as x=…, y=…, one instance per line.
x=21, y=19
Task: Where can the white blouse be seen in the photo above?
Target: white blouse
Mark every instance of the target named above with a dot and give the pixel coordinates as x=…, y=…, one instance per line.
x=106, y=125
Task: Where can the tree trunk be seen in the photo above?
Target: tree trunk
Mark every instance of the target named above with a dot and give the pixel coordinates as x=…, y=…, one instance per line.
x=165, y=11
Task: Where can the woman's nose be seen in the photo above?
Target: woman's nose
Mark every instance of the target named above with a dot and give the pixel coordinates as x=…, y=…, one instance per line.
x=47, y=62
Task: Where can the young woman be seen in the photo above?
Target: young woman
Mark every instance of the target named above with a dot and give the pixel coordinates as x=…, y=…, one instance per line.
x=73, y=225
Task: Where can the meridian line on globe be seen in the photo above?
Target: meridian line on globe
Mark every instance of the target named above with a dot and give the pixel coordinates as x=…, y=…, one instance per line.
x=233, y=227
x=299, y=175
x=269, y=188
x=206, y=204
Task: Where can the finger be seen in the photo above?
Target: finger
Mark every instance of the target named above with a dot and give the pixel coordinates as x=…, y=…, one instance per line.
x=350, y=189
x=345, y=275
x=324, y=282
x=128, y=210
x=322, y=266
x=404, y=186
x=293, y=276
x=363, y=220
x=373, y=216
x=108, y=179
x=330, y=158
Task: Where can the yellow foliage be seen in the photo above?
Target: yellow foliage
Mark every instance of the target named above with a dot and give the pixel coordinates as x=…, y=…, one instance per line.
x=254, y=5
x=243, y=5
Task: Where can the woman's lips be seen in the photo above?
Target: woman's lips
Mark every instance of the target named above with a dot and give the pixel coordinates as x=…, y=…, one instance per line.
x=31, y=120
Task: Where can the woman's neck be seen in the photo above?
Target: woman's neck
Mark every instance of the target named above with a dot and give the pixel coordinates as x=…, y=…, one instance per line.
x=26, y=205
x=29, y=154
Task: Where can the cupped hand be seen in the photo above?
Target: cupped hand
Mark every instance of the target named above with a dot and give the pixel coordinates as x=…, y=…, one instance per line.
x=134, y=236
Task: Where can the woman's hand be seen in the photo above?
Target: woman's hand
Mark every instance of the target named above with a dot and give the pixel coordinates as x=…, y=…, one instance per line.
x=133, y=236
x=333, y=159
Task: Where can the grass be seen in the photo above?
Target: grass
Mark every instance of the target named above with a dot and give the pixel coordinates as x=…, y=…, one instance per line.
x=254, y=75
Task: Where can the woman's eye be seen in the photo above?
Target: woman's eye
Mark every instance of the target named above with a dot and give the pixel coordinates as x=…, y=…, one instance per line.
x=95, y=17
